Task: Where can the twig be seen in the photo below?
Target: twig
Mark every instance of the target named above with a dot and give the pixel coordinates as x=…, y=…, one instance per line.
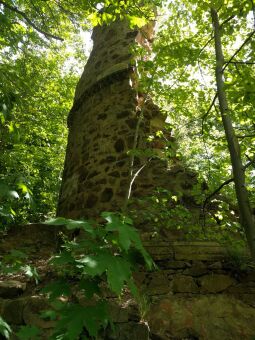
x=132, y=158
x=206, y=44
x=230, y=180
x=250, y=35
x=227, y=20
x=208, y=198
x=135, y=175
x=208, y=111
x=29, y=21
x=251, y=161
x=242, y=62
x=245, y=136
x=135, y=143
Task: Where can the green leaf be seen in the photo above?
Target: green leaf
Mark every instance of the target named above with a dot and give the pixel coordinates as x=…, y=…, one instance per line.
x=23, y=187
x=90, y=287
x=137, y=21
x=127, y=235
x=75, y=317
x=133, y=288
x=64, y=257
x=97, y=318
x=72, y=224
x=57, y=289
x=29, y=333
x=6, y=192
x=85, y=225
x=5, y=329
x=95, y=264
x=118, y=273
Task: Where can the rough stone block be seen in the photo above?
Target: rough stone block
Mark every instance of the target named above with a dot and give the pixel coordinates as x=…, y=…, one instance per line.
x=215, y=266
x=199, y=250
x=159, y=284
x=172, y=264
x=124, y=312
x=243, y=288
x=10, y=289
x=184, y=284
x=127, y=331
x=12, y=310
x=215, y=283
x=160, y=252
x=198, y=269
x=139, y=278
x=202, y=317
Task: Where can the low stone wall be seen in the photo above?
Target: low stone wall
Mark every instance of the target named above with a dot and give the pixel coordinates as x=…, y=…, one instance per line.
x=197, y=292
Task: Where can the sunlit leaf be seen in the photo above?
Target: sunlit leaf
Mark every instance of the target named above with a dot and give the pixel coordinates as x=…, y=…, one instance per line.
x=5, y=329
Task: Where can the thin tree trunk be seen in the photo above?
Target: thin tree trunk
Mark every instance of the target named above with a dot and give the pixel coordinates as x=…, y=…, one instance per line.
x=246, y=217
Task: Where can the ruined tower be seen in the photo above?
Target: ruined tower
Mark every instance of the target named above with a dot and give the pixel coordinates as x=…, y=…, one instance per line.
x=103, y=126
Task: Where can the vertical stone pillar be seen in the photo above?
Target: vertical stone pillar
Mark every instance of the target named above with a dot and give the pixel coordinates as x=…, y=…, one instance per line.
x=102, y=125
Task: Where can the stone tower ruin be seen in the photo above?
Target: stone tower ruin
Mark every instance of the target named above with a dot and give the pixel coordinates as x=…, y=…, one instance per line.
x=103, y=126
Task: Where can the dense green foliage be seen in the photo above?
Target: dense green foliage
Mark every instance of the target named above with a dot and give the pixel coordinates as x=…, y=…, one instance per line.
x=103, y=258
x=85, y=269
x=181, y=75
x=36, y=89
x=39, y=72
x=41, y=58
x=42, y=55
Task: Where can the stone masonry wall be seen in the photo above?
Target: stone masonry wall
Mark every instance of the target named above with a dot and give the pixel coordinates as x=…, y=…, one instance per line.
x=198, y=291
x=102, y=125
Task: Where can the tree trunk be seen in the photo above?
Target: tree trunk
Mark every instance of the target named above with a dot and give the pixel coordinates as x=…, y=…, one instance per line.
x=246, y=217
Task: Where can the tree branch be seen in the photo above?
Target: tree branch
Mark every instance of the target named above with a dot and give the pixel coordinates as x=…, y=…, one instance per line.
x=208, y=198
x=208, y=111
x=250, y=35
x=251, y=161
x=245, y=136
x=227, y=20
x=230, y=180
x=242, y=62
x=205, y=45
x=29, y=21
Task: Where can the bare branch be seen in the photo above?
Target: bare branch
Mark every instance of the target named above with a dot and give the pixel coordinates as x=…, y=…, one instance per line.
x=227, y=20
x=250, y=35
x=29, y=21
x=205, y=45
x=135, y=175
x=208, y=111
x=251, y=161
x=245, y=136
x=242, y=62
x=228, y=181
x=208, y=198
